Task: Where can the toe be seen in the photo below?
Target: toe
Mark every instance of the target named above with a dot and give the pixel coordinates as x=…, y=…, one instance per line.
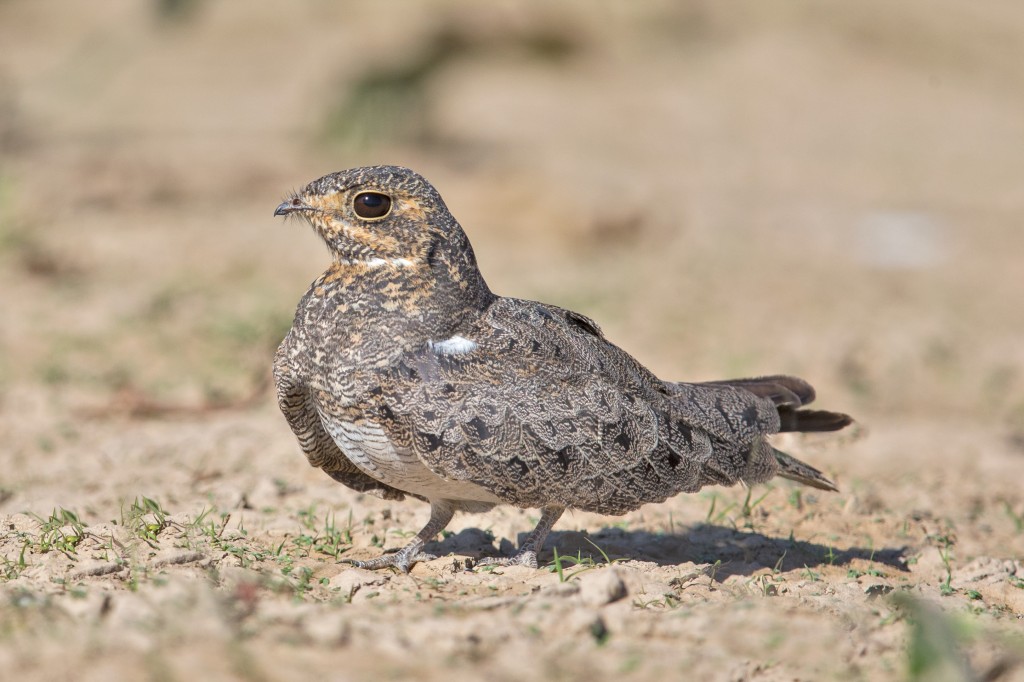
x=522, y=558
x=528, y=558
x=386, y=561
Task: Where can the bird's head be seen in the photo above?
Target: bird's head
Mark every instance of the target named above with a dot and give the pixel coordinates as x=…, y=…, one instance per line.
x=377, y=215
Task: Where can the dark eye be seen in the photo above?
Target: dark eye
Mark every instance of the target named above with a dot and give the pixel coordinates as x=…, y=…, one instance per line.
x=372, y=205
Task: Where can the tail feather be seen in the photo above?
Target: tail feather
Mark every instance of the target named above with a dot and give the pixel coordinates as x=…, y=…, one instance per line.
x=792, y=468
x=789, y=395
x=779, y=388
x=807, y=421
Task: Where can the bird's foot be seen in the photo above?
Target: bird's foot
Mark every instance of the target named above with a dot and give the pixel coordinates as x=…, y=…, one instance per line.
x=403, y=560
x=524, y=557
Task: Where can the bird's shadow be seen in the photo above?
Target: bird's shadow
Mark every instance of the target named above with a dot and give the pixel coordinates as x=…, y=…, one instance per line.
x=739, y=552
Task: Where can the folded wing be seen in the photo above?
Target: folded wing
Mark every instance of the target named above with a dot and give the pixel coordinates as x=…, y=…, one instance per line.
x=533, y=404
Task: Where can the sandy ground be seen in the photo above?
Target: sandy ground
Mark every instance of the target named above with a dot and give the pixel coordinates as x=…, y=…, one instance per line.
x=832, y=191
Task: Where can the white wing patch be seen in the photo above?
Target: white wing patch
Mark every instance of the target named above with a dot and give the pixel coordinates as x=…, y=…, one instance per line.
x=456, y=345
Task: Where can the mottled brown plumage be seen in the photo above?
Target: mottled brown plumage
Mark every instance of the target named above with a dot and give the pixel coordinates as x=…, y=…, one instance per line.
x=404, y=375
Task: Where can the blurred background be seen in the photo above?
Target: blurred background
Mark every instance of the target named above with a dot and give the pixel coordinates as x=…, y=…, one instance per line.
x=831, y=189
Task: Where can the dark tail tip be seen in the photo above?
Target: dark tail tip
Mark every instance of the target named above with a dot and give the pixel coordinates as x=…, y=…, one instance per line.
x=807, y=421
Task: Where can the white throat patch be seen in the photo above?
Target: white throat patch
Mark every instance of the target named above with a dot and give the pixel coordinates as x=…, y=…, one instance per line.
x=456, y=345
x=379, y=262
x=397, y=262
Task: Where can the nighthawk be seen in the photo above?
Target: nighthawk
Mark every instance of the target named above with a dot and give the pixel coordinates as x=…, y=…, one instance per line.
x=403, y=374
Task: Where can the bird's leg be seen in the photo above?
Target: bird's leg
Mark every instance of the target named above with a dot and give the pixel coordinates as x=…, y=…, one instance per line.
x=441, y=513
x=527, y=554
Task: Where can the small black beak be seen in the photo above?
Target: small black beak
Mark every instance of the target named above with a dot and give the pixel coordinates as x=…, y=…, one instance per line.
x=291, y=206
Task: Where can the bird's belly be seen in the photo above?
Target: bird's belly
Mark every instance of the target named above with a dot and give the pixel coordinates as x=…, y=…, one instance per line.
x=367, y=446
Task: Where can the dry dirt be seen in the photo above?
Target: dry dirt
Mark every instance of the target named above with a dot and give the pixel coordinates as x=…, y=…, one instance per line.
x=832, y=190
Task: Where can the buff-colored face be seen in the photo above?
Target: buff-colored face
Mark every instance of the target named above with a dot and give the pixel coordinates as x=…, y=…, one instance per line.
x=376, y=215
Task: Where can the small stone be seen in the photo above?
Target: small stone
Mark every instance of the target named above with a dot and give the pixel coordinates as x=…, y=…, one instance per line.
x=566, y=589
x=983, y=571
x=877, y=590
x=601, y=587
x=97, y=568
x=350, y=581
x=176, y=558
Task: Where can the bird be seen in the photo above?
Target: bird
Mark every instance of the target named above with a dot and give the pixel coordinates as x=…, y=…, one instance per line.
x=404, y=375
